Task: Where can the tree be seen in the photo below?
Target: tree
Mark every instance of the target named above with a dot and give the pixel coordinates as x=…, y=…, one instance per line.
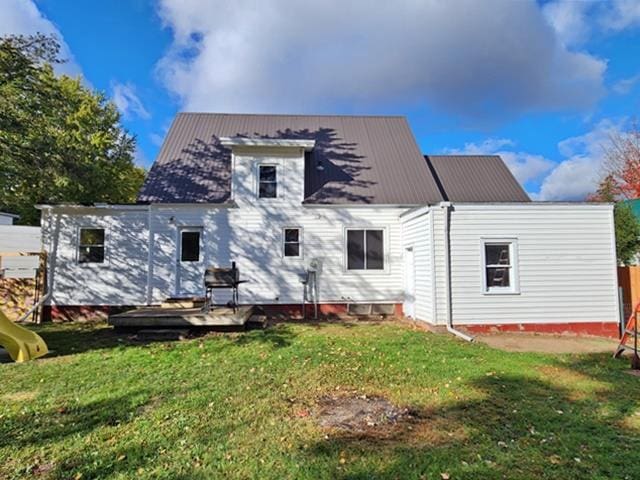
x=627, y=233
x=59, y=140
x=623, y=161
x=626, y=224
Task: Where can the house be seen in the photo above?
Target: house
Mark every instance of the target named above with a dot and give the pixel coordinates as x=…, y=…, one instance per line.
x=7, y=218
x=448, y=240
x=16, y=238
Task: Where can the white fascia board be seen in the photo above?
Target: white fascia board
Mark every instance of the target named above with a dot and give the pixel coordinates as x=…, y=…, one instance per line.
x=97, y=206
x=161, y=206
x=307, y=145
x=415, y=213
x=531, y=205
x=357, y=205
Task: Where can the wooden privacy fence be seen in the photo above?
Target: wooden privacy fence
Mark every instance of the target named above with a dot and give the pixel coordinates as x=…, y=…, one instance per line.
x=629, y=282
x=21, y=296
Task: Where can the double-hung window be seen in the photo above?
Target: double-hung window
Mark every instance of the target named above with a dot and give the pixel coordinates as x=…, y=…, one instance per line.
x=365, y=249
x=500, y=269
x=91, y=245
x=292, y=242
x=267, y=181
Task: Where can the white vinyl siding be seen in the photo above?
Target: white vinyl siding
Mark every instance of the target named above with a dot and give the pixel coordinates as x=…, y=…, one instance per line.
x=120, y=280
x=416, y=234
x=251, y=236
x=566, y=261
x=19, y=238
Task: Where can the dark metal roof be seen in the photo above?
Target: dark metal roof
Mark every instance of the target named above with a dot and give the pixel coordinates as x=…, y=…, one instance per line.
x=366, y=159
x=475, y=178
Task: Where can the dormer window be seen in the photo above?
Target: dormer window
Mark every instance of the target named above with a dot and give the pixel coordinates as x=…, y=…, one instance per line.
x=267, y=181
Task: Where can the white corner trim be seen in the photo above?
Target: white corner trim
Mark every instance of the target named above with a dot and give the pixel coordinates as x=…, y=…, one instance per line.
x=307, y=145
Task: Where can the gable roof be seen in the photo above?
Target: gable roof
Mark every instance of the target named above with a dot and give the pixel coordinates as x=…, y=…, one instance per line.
x=475, y=178
x=366, y=159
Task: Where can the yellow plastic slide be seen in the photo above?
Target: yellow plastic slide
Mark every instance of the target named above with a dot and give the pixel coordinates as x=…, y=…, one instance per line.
x=22, y=344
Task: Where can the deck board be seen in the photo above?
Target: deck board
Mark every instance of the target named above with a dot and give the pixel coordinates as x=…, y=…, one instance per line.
x=182, y=317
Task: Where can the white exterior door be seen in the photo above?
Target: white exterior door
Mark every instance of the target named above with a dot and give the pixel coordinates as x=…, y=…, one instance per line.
x=190, y=263
x=409, y=305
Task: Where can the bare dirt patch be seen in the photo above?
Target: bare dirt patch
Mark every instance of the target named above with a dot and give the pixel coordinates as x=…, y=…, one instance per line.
x=360, y=414
x=542, y=343
x=374, y=418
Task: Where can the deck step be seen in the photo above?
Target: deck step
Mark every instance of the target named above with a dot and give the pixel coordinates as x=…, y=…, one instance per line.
x=161, y=318
x=194, y=302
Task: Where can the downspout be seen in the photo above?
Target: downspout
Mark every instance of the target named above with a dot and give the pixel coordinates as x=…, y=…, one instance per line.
x=447, y=273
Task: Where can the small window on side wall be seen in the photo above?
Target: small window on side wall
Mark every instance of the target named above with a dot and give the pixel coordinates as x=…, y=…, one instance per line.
x=500, y=273
x=292, y=242
x=91, y=245
x=267, y=181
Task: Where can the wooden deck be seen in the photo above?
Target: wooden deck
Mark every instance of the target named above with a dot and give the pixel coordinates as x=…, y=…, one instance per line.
x=158, y=317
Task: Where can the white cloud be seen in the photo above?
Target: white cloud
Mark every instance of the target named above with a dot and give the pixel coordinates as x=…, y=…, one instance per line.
x=579, y=173
x=525, y=166
x=575, y=21
x=569, y=19
x=625, y=85
x=620, y=15
x=572, y=177
x=127, y=101
x=476, y=59
x=22, y=17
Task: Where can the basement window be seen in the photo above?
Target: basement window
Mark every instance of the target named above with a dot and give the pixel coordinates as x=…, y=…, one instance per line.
x=91, y=245
x=267, y=181
x=500, y=272
x=292, y=242
x=365, y=249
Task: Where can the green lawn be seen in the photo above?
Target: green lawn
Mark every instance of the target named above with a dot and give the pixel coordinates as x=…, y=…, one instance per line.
x=229, y=406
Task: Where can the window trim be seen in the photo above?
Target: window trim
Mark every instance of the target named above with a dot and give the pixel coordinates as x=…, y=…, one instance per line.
x=277, y=182
x=300, y=243
x=385, y=251
x=105, y=260
x=200, y=231
x=514, y=266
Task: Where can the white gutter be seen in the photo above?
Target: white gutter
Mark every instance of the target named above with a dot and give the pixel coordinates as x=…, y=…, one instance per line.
x=447, y=274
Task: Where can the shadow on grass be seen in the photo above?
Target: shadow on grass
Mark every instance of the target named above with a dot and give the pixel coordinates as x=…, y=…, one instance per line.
x=35, y=428
x=71, y=339
x=74, y=338
x=522, y=427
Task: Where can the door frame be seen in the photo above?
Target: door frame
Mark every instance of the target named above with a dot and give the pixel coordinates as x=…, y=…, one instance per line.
x=178, y=256
x=409, y=252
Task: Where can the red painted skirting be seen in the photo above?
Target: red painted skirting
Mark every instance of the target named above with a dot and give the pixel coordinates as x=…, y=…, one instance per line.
x=69, y=313
x=600, y=329
x=79, y=313
x=66, y=313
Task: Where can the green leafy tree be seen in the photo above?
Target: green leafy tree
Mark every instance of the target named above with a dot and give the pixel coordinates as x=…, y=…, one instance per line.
x=59, y=140
x=627, y=233
x=627, y=226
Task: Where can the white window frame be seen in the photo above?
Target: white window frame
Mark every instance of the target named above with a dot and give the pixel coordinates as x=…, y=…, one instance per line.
x=514, y=266
x=105, y=259
x=277, y=182
x=385, y=251
x=300, y=242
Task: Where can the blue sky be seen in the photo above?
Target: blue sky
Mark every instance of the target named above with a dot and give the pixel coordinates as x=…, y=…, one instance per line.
x=542, y=83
